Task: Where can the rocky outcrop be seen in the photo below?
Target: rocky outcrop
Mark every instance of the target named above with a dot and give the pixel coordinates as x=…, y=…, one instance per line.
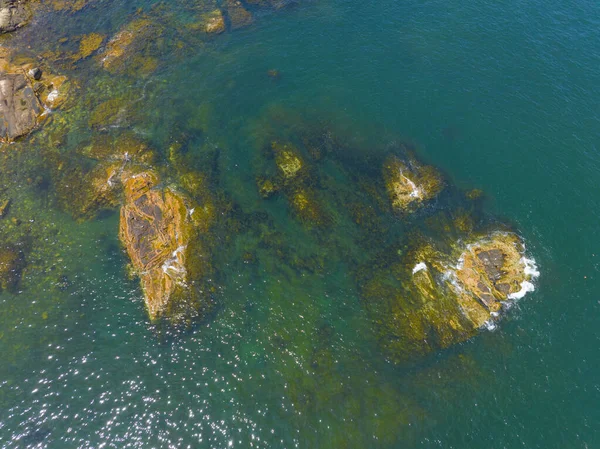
x=126, y=51
x=410, y=184
x=433, y=298
x=213, y=22
x=25, y=92
x=13, y=15
x=159, y=233
x=19, y=106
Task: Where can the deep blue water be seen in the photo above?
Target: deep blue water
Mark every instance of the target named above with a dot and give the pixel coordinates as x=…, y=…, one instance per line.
x=500, y=96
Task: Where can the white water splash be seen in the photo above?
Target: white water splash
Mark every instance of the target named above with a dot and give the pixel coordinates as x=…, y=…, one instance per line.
x=172, y=267
x=415, y=191
x=52, y=96
x=419, y=267
x=530, y=270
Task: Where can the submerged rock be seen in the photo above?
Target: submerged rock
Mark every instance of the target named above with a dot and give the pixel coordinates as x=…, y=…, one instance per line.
x=432, y=298
x=213, y=22
x=266, y=187
x=88, y=45
x=13, y=15
x=125, y=52
x=11, y=265
x=294, y=180
x=410, y=184
x=159, y=233
x=288, y=160
x=238, y=15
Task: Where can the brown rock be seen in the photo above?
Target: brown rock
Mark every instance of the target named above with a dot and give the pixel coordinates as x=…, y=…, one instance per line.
x=156, y=230
x=19, y=106
x=13, y=15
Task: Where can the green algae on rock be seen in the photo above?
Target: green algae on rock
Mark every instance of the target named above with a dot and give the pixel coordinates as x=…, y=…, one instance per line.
x=410, y=183
x=431, y=298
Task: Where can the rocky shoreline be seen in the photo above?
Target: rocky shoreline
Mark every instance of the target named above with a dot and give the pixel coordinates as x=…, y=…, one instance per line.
x=429, y=276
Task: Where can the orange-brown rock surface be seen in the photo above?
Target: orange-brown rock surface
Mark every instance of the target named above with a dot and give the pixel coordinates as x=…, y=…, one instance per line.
x=159, y=234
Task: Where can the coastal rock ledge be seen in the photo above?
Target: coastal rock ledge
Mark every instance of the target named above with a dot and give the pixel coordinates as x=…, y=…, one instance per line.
x=26, y=95
x=436, y=296
x=157, y=229
x=13, y=15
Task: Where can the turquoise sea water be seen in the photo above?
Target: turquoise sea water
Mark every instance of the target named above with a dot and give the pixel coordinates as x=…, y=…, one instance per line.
x=500, y=96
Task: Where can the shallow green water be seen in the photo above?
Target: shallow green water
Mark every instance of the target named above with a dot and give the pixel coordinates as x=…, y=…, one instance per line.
x=502, y=97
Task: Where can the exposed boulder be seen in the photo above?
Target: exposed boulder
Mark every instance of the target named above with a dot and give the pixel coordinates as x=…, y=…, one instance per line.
x=23, y=99
x=19, y=106
x=13, y=15
x=432, y=298
x=160, y=236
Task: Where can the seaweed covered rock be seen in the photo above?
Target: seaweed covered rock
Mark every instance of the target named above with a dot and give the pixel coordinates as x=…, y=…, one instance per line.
x=295, y=179
x=86, y=193
x=127, y=51
x=24, y=97
x=160, y=236
x=213, y=22
x=11, y=265
x=288, y=160
x=88, y=45
x=13, y=14
x=432, y=298
x=93, y=182
x=238, y=15
x=409, y=184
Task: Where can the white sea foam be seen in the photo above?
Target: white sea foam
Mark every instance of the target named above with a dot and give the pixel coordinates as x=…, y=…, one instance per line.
x=419, y=267
x=52, y=96
x=416, y=192
x=490, y=325
x=172, y=267
x=526, y=287
x=530, y=270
